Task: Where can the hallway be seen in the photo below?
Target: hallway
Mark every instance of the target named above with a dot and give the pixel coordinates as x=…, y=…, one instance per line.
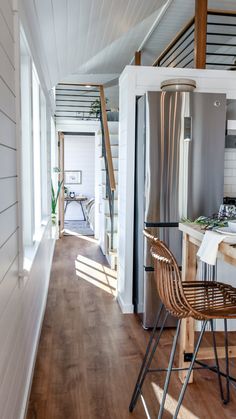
x=87, y=346
x=89, y=353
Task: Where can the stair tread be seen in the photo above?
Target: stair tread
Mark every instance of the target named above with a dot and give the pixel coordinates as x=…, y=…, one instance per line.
x=115, y=170
x=113, y=157
x=107, y=199
x=113, y=252
x=111, y=134
x=107, y=215
x=112, y=145
x=104, y=184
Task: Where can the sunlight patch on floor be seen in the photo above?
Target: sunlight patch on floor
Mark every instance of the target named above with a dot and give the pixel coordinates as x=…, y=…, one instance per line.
x=171, y=403
x=97, y=274
x=90, y=239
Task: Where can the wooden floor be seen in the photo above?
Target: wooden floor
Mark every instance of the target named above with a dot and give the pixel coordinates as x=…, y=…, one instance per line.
x=89, y=353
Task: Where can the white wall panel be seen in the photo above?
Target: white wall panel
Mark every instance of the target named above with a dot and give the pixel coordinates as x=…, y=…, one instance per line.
x=7, y=69
x=6, y=37
x=8, y=253
x=230, y=172
x=22, y=299
x=7, y=131
x=10, y=324
x=7, y=285
x=6, y=11
x=7, y=100
x=24, y=312
x=8, y=223
x=7, y=162
x=8, y=193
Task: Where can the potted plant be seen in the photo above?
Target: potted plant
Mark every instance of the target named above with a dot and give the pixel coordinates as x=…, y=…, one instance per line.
x=95, y=107
x=55, y=195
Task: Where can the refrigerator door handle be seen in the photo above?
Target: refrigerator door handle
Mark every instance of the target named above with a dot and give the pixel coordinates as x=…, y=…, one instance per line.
x=161, y=224
x=187, y=128
x=148, y=269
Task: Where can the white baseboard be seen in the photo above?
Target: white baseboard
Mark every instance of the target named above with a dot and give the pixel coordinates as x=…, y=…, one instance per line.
x=125, y=308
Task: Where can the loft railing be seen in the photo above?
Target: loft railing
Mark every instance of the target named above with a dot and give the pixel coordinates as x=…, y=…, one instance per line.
x=221, y=40
x=106, y=153
x=179, y=49
x=220, y=43
x=75, y=101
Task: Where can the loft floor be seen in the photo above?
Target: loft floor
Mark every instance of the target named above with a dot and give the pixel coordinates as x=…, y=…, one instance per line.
x=89, y=353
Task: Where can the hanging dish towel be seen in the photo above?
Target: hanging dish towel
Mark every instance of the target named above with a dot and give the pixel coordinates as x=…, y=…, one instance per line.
x=209, y=247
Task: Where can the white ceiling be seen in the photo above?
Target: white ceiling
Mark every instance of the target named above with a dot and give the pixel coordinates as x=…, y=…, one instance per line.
x=81, y=36
x=93, y=40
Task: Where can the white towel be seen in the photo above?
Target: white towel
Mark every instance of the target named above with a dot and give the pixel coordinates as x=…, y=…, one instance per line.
x=209, y=247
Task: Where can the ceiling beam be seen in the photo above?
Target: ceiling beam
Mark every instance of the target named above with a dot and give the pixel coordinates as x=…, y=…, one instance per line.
x=154, y=25
x=200, y=33
x=79, y=84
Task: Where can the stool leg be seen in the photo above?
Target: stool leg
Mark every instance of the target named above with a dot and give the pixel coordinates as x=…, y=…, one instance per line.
x=217, y=361
x=169, y=370
x=227, y=362
x=182, y=393
x=147, y=358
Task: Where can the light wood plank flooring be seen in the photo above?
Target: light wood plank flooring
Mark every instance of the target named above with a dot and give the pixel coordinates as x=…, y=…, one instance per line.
x=89, y=353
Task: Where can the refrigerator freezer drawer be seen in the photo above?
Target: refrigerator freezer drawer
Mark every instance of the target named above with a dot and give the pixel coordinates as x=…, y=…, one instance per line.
x=152, y=303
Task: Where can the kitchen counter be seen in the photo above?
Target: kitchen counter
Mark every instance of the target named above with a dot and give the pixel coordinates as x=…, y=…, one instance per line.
x=192, y=238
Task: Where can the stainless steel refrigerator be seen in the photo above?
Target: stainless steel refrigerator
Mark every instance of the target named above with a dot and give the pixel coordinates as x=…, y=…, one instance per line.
x=179, y=172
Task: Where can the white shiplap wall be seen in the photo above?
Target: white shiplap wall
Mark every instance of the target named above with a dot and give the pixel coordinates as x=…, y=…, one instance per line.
x=230, y=172
x=22, y=299
x=9, y=249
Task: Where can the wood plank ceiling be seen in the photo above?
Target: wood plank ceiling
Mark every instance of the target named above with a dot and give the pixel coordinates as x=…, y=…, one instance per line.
x=93, y=40
x=84, y=36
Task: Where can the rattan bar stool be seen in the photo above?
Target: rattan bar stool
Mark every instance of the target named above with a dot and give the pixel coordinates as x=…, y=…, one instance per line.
x=201, y=300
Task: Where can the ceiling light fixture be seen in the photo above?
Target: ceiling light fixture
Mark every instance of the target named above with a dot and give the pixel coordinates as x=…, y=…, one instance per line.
x=88, y=86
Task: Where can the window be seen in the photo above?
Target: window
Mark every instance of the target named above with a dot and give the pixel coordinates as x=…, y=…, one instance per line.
x=26, y=145
x=35, y=153
x=45, y=158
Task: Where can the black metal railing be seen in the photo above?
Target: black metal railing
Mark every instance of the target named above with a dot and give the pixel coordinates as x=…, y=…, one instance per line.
x=110, y=194
x=180, y=51
x=76, y=102
x=220, y=44
x=221, y=40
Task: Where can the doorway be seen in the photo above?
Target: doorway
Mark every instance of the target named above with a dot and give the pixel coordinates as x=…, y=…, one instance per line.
x=77, y=198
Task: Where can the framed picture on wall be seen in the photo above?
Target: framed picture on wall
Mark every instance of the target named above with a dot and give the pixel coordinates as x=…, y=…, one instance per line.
x=73, y=177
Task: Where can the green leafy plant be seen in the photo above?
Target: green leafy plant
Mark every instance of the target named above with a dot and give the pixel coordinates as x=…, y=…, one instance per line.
x=95, y=107
x=55, y=196
x=208, y=223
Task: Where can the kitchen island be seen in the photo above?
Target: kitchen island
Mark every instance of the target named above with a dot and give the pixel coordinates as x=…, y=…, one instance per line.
x=192, y=238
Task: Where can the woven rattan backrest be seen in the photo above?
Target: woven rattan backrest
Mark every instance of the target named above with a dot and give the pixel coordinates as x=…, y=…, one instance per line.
x=168, y=277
